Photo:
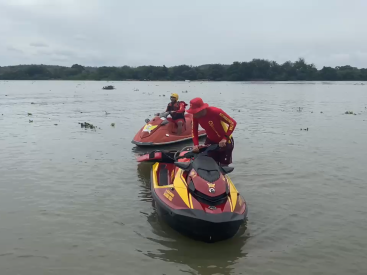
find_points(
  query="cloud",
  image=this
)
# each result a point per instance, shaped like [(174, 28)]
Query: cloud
[(14, 49), (66, 53), (38, 45), (80, 37), (122, 32)]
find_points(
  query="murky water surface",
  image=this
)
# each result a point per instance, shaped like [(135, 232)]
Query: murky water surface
[(74, 201)]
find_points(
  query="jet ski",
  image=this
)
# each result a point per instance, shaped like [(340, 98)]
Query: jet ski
[(162, 131), (194, 194)]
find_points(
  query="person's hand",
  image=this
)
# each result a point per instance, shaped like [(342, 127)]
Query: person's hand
[(195, 149), (222, 143)]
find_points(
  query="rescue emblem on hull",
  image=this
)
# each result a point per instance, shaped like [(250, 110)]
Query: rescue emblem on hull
[(211, 187)]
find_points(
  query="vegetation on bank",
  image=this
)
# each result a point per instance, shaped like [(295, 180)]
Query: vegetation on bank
[(257, 69)]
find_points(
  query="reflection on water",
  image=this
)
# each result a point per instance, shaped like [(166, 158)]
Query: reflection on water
[(205, 258), (144, 169)]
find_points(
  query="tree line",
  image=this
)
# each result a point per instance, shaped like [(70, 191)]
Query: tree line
[(257, 69)]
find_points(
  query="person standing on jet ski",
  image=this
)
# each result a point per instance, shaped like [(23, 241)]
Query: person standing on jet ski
[(177, 111), (218, 126)]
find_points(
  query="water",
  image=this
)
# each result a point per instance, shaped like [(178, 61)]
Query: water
[(74, 201)]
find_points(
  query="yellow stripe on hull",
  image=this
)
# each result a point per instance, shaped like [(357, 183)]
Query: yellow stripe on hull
[(230, 204), (190, 199), (233, 192), (155, 179), (180, 186)]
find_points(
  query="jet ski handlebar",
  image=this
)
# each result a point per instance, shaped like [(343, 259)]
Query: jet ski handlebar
[(164, 114), (203, 150)]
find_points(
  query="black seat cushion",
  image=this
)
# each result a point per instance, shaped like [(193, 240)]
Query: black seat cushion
[(206, 168)]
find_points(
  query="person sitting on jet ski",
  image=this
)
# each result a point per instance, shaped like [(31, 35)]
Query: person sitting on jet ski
[(177, 111), (218, 126)]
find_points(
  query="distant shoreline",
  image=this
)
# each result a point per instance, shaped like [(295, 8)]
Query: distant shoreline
[(357, 82), (257, 70)]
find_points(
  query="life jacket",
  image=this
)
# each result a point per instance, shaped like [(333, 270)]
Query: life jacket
[(175, 107)]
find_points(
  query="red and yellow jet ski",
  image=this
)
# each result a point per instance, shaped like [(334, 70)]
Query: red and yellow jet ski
[(162, 131), (195, 195)]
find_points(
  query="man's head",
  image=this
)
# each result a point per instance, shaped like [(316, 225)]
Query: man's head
[(174, 98), (197, 107)]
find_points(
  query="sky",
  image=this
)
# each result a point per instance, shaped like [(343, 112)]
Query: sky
[(191, 32)]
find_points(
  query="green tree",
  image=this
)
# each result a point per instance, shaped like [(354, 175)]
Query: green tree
[(256, 69)]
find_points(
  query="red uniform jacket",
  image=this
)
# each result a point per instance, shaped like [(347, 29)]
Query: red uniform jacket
[(217, 124)]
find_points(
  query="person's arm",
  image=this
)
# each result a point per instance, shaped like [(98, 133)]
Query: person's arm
[(195, 135), (230, 121), (182, 108)]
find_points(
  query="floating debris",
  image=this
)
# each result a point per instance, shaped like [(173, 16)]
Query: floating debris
[(109, 87), (113, 124), (136, 90), (321, 112), (107, 113), (55, 124), (29, 114), (349, 113), (299, 109), (185, 92), (30, 121), (304, 129), (87, 125), (32, 103)]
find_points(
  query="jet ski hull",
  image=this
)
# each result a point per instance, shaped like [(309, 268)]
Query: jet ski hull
[(173, 141), (184, 211), (160, 131), (199, 225)]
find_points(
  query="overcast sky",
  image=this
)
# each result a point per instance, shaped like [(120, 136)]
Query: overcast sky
[(173, 32)]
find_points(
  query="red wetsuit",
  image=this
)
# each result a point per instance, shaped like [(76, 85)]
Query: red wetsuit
[(218, 125)]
